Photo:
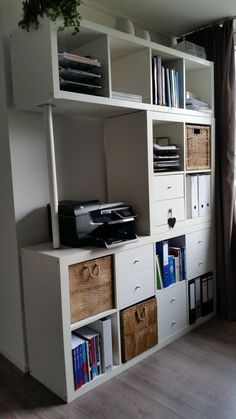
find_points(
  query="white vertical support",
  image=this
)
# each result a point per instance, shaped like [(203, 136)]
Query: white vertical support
[(52, 174)]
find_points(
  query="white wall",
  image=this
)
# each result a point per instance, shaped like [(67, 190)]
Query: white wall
[(11, 316)]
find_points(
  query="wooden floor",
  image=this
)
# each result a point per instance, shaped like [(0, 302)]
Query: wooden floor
[(192, 378)]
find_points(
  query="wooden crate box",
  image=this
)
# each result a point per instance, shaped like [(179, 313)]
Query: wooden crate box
[(198, 147), (91, 287), (138, 328)]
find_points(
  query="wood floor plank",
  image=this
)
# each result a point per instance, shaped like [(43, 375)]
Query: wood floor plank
[(192, 378)]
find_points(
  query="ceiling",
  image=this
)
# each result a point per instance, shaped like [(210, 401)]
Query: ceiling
[(172, 17)]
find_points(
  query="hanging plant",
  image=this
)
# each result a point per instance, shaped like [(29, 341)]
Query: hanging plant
[(33, 10)]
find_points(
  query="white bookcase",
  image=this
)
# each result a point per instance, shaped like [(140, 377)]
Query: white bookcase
[(129, 131)]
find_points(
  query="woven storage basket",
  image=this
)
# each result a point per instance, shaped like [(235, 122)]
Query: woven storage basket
[(138, 328), (91, 288), (198, 150)]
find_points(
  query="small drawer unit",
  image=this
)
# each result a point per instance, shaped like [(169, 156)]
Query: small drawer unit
[(199, 263), (135, 275), (198, 240), (164, 210), (171, 298), (168, 187), (172, 323), (91, 287), (199, 252)]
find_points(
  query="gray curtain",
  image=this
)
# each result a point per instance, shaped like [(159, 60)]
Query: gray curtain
[(219, 44)]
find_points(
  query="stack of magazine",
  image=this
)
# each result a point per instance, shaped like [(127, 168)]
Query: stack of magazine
[(165, 157), (79, 74), (196, 104), (126, 96)]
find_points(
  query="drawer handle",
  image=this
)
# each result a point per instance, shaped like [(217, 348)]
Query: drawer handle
[(137, 287), (172, 300), (200, 263), (199, 242), (94, 271), (136, 261), (141, 315), (173, 323), (169, 187)]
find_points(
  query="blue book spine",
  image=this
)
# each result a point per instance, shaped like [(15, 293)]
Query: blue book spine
[(81, 364), (79, 375), (94, 358), (162, 252), (171, 269), (75, 368), (85, 363), (183, 253)]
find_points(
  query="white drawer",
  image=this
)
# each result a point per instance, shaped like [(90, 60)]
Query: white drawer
[(171, 298), (168, 187), (161, 211), (199, 263), (172, 323), (135, 288), (198, 240), (134, 261)]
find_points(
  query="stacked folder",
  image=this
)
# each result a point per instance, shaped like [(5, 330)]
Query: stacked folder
[(170, 264), (79, 74), (198, 195), (200, 296), (165, 157)]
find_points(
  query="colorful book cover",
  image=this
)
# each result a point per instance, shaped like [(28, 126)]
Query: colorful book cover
[(171, 269)]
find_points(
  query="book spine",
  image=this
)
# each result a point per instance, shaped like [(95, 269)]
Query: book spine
[(81, 364), (92, 345), (75, 368), (85, 363), (159, 80)]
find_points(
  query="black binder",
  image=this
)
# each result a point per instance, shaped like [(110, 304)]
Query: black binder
[(198, 297), (210, 292), (204, 294), (192, 301)]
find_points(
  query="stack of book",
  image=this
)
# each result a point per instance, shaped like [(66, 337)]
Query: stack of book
[(126, 96), (165, 157), (79, 74), (170, 264), (165, 82), (91, 351)]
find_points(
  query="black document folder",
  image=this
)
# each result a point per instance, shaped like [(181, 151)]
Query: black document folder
[(204, 295), (192, 301)]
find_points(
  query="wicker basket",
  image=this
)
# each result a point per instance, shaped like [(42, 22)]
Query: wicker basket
[(138, 328), (91, 288), (198, 150)]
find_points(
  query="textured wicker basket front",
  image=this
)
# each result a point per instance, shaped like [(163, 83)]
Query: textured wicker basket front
[(91, 288), (138, 328), (198, 150)]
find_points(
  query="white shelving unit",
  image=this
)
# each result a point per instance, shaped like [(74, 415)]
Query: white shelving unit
[(129, 129)]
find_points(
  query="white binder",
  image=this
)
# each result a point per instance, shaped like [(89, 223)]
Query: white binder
[(103, 327), (192, 196), (204, 195)]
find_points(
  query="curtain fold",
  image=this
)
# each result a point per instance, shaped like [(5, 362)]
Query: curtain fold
[(219, 44)]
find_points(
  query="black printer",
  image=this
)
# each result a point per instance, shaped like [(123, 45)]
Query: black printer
[(94, 222)]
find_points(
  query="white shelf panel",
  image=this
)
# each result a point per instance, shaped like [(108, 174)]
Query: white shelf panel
[(92, 319)]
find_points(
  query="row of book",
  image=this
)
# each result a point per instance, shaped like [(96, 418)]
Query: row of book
[(170, 264), (165, 157), (165, 82), (200, 295), (91, 351), (79, 74)]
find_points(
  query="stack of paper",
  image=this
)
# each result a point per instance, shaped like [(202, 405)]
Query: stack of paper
[(79, 74), (126, 96), (165, 157), (196, 104)]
